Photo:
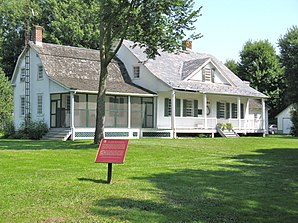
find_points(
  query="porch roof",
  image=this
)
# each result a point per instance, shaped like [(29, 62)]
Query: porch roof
[(78, 69), (173, 68)]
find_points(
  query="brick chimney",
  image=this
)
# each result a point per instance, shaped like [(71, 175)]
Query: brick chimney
[(37, 35), (186, 45)]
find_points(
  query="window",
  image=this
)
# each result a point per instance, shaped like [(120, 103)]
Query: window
[(23, 75), (190, 108), (22, 103), (136, 72), (208, 75), (221, 110), (39, 72), (39, 104), (168, 107), (234, 110)]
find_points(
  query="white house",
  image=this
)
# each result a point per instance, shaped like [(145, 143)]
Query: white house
[(284, 122), (175, 93)]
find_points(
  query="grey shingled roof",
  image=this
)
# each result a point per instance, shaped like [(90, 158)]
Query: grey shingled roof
[(173, 68), (78, 69)]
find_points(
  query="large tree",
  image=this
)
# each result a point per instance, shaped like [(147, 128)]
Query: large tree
[(232, 65), (6, 99), (260, 66), (152, 24), (67, 22), (289, 57)]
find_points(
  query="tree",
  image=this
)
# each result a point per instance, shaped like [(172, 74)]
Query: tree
[(151, 24), (232, 65), (67, 22), (260, 66), (288, 45), (6, 99)]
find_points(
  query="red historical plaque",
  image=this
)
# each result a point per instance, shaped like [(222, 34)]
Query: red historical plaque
[(111, 151)]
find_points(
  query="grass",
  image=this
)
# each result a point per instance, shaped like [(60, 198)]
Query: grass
[(184, 180)]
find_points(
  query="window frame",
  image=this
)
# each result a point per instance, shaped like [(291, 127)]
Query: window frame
[(22, 105), (136, 72), (39, 104), (40, 72)]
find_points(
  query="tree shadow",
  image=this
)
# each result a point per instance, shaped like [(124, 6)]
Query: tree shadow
[(259, 187), (15, 144)]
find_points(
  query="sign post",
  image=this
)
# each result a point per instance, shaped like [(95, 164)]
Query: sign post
[(111, 151)]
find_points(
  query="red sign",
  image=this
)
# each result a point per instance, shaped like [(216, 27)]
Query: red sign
[(111, 151)]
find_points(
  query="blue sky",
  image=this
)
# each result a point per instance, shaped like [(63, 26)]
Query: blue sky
[(227, 24)]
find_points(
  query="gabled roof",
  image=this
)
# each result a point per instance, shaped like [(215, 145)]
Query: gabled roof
[(173, 68), (78, 69)]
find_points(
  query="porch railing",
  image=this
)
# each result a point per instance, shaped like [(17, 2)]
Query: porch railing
[(244, 124)]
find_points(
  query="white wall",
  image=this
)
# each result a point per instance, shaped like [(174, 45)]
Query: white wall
[(37, 87), (284, 122)]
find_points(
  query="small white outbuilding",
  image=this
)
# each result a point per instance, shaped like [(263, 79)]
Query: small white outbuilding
[(284, 122)]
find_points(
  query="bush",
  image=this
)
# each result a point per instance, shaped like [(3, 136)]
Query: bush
[(230, 126), (32, 130), (222, 126), (8, 129), (294, 119)]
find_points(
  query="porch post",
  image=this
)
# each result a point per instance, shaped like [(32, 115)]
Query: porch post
[(72, 116), (205, 110), (263, 117), (129, 112), (246, 114), (173, 112), (239, 112)]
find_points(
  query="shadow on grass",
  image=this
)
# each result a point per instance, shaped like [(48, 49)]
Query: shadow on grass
[(260, 187), (93, 180), (15, 144)]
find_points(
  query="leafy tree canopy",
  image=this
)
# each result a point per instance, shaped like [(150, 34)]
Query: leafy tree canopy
[(288, 45), (6, 98), (260, 66), (232, 65)]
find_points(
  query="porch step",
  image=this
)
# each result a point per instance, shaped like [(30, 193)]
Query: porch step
[(228, 133), (57, 134)]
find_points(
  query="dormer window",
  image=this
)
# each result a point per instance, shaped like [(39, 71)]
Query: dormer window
[(208, 75), (136, 72)]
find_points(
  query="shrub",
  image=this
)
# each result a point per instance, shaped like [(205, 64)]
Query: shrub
[(32, 130), (294, 119), (222, 126), (230, 126), (8, 129)]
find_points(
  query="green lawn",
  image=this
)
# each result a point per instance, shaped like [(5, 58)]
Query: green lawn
[(162, 180)]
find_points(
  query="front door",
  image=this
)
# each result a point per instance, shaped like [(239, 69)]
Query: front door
[(149, 115), (60, 111), (55, 122)]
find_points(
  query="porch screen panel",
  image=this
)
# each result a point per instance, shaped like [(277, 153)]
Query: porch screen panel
[(137, 112), (91, 110), (80, 110), (116, 114)]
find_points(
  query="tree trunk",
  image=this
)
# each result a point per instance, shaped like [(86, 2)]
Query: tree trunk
[(100, 108)]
